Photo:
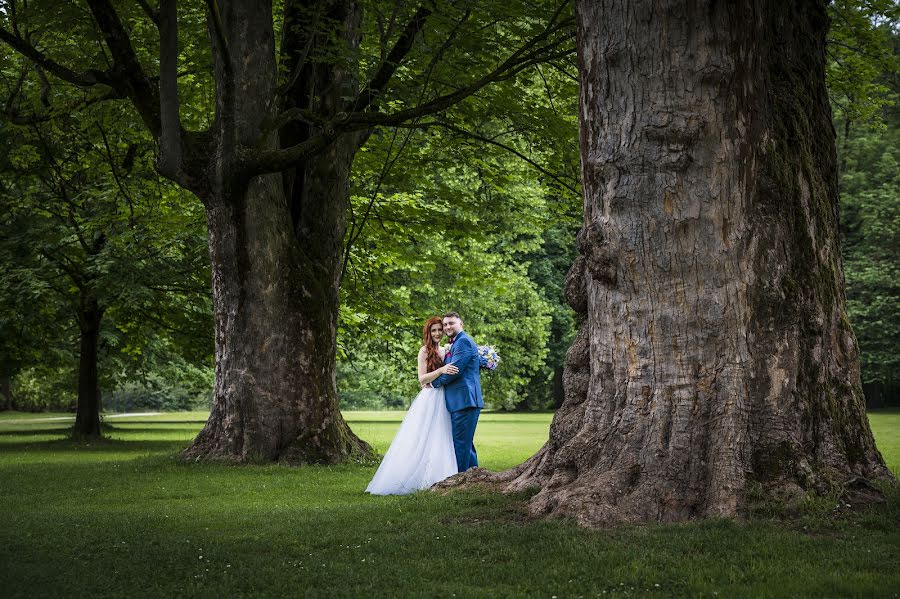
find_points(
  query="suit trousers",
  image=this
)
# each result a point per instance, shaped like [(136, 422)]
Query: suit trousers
[(463, 423)]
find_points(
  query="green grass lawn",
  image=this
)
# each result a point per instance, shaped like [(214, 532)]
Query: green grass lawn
[(122, 517)]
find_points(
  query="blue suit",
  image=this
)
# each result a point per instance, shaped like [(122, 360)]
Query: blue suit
[(462, 394)]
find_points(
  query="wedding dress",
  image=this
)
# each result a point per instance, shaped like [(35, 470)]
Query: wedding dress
[(422, 452)]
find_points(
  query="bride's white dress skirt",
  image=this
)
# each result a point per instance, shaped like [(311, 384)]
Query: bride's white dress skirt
[(422, 452)]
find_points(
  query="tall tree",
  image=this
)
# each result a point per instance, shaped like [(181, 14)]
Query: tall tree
[(90, 233), (272, 171), (715, 361)]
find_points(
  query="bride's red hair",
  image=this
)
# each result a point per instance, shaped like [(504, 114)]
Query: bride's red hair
[(433, 359)]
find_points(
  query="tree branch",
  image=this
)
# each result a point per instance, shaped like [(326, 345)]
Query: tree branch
[(259, 162), (115, 174), (45, 85), (256, 162), (15, 91), (563, 71), (219, 28), (19, 118), (356, 230), (127, 69), (87, 78), (289, 116), (518, 61), (494, 142), (301, 61), (170, 151), (64, 264), (387, 69), (153, 14)]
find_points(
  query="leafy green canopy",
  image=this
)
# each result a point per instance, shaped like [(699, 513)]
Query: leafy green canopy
[(474, 210), (864, 62), (485, 191), (85, 219), (862, 59), (870, 203)]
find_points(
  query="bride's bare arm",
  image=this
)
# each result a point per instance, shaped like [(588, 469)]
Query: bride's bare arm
[(426, 377)]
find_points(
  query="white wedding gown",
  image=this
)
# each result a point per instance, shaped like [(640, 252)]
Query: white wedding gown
[(422, 452)]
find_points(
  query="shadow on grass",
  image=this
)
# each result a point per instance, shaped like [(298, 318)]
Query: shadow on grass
[(98, 446), (484, 419), (36, 432), (150, 429), (121, 421)]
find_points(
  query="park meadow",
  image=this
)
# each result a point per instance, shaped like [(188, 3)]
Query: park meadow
[(240, 240), (124, 517)]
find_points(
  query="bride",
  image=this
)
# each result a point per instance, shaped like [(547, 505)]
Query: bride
[(422, 453)]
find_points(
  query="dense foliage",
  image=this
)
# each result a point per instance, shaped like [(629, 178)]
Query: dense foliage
[(870, 203), (443, 220), (473, 210), (87, 225), (864, 62)]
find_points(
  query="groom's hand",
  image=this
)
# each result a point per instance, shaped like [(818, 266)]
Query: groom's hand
[(450, 369)]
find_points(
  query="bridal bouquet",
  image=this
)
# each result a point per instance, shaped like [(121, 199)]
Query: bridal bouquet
[(488, 357)]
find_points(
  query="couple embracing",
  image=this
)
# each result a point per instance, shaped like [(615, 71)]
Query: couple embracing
[(435, 439)]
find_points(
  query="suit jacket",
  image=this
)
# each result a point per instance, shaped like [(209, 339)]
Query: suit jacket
[(463, 389)]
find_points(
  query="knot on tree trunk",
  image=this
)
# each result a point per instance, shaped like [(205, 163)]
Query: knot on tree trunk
[(577, 373), (576, 287), (675, 134), (599, 255)]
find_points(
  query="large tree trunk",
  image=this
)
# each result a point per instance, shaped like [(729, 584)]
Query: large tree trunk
[(87, 414), (275, 299), (716, 362)]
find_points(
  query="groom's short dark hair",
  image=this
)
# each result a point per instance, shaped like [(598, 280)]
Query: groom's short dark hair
[(452, 315)]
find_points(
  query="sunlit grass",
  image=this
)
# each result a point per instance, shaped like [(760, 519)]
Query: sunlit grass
[(886, 428), (122, 517)]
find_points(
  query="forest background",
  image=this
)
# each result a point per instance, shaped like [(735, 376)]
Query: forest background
[(474, 210)]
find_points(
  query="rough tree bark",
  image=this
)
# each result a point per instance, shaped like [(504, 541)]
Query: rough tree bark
[(274, 288), (715, 363)]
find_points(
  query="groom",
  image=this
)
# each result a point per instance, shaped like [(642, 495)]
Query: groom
[(462, 391)]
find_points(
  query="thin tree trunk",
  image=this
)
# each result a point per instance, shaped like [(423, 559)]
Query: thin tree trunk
[(6, 393), (87, 415), (716, 363), (275, 298)]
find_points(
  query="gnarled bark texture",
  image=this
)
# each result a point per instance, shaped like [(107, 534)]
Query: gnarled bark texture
[(715, 360), (275, 275)]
